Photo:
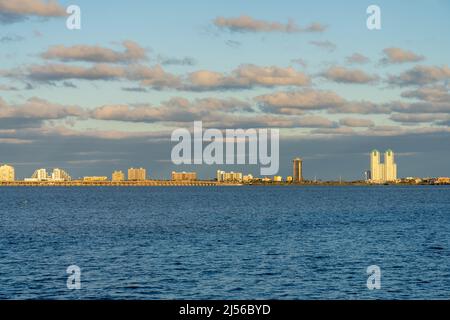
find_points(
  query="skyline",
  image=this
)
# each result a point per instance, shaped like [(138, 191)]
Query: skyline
[(379, 173), (97, 99)]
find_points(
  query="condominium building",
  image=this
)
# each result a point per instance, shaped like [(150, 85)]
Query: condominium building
[(298, 170), (7, 173), (39, 175), (137, 174), (382, 172), (57, 175), (184, 176), (118, 176), (60, 175)]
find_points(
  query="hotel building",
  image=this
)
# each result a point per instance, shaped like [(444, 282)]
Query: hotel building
[(298, 170), (382, 172), (184, 176), (7, 173), (58, 175), (137, 174), (118, 176)]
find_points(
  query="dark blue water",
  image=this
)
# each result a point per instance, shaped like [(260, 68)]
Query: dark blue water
[(225, 243)]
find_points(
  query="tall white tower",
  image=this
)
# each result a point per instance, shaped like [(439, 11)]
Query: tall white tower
[(383, 172), (390, 167), (375, 166)]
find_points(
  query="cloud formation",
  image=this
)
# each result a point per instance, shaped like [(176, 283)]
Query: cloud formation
[(246, 77), (175, 110), (355, 122), (12, 11), (345, 75), (421, 75), (357, 58), (430, 94), (186, 61), (420, 107), (39, 109), (326, 45), (133, 53), (407, 118), (298, 102), (398, 55), (245, 23)]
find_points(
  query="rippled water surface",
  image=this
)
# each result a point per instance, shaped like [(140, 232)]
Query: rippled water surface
[(225, 243)]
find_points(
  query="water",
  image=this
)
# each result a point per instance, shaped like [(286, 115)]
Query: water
[(225, 243)]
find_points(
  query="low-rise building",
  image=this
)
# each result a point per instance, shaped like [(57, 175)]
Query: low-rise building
[(118, 176), (442, 180), (277, 179), (184, 176), (223, 176), (95, 179)]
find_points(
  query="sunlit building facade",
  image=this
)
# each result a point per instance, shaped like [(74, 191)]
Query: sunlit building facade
[(297, 170), (118, 176), (184, 176), (137, 174), (60, 175), (7, 173), (95, 179), (223, 176), (382, 172)]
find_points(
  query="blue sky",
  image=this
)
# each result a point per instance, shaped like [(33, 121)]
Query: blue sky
[(394, 103)]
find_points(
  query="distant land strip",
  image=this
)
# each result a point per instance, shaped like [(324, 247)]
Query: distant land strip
[(197, 183)]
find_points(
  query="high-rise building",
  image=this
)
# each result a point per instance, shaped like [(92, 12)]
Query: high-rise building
[(118, 176), (137, 174), (184, 176), (375, 166), (382, 172), (390, 167), (7, 173), (39, 175), (60, 175), (298, 170)]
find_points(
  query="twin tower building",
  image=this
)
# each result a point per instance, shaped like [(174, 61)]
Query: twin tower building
[(382, 172)]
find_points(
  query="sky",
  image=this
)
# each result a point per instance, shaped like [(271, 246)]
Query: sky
[(108, 96)]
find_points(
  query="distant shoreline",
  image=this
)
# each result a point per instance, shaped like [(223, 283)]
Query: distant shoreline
[(199, 183)]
